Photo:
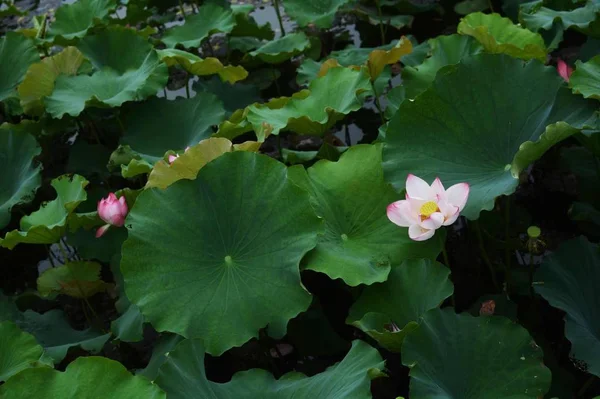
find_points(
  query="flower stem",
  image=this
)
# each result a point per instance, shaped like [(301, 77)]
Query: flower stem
[(447, 262), (187, 85), (484, 254), (63, 252), (181, 8), (276, 6)]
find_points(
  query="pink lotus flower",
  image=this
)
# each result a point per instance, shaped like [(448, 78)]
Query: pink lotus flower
[(427, 208), (113, 211), (172, 158), (564, 70)]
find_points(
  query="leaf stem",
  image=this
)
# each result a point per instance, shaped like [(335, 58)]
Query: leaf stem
[(377, 103), (484, 254), (380, 14), (276, 6), (63, 252), (187, 85), (507, 252), (181, 9)]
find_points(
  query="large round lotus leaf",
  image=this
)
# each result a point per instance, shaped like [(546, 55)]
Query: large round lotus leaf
[(16, 54), (158, 125), (445, 50), (413, 288), (317, 12), (536, 17), (85, 378), (482, 121), (284, 48), (53, 331), (568, 279), (585, 79), (217, 257), (246, 25), (210, 19), (19, 178), (183, 376), (202, 66), (40, 78), (74, 20), (48, 224), (360, 244), (329, 98), (128, 69), (18, 350), (466, 357), (499, 35)]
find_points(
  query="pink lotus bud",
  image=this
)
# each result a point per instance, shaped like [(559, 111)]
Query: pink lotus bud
[(564, 70), (113, 211), (428, 207), (172, 158)]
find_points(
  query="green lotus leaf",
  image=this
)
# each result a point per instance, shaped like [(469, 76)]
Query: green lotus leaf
[(129, 161), (394, 98), (202, 66), (372, 16), (585, 80), (188, 164), (17, 53), (8, 10), (49, 223), (234, 270), (19, 178), (183, 376), (129, 327), (535, 17), (158, 125), (378, 59), (360, 244), (80, 279), (568, 279), (246, 26), (445, 50), (73, 21), (53, 331), (501, 133), (499, 35), (468, 6), (41, 76), (389, 311), (233, 96), (315, 111), (18, 351), (134, 72), (210, 19), (88, 159), (164, 345), (317, 12), (85, 378), (282, 49), (461, 356)]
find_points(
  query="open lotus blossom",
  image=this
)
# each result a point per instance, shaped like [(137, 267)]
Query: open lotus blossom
[(564, 70), (172, 158), (427, 208), (113, 211)]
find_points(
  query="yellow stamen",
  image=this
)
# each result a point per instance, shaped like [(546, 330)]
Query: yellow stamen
[(428, 208)]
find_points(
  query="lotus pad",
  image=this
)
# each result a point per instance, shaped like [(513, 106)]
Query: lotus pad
[(202, 66), (466, 357), (585, 79), (499, 35), (318, 12), (74, 20), (183, 376), (18, 350), (85, 378), (284, 48), (231, 251), (134, 72), (210, 19), (390, 310), (460, 132), (360, 244), (568, 279), (16, 54), (48, 224), (19, 178)]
